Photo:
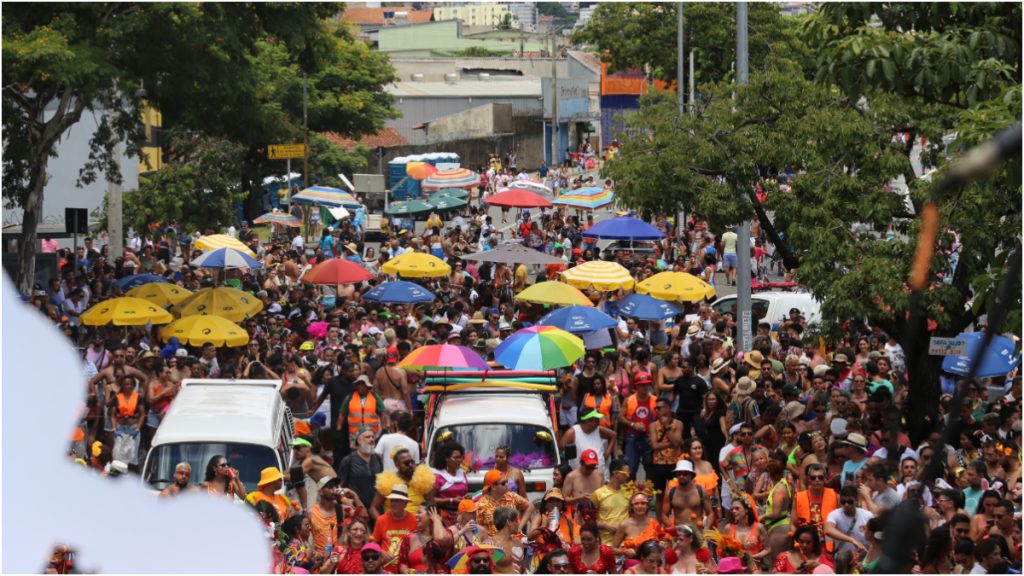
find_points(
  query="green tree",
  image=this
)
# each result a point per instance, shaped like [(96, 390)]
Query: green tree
[(199, 64), (643, 34), (204, 173), (327, 160)]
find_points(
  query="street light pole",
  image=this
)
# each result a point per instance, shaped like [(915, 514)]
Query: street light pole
[(681, 96), (745, 321), (115, 208), (554, 101)]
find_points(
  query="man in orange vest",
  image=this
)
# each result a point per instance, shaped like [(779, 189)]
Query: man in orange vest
[(812, 506), (363, 407), (636, 417)]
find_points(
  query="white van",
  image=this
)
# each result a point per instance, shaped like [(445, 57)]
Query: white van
[(246, 421), (482, 419), (774, 306)]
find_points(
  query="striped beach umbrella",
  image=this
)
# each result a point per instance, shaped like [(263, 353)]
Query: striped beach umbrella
[(214, 241), (586, 198), (225, 258), (327, 196), (282, 218), (443, 357), (600, 275), (539, 348), (457, 178)]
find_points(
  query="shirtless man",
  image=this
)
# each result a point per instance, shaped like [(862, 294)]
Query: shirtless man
[(687, 500), (182, 475), (583, 481), (106, 380), (391, 383), (313, 467)]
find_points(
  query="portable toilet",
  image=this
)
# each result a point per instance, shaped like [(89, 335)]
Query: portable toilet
[(402, 187)]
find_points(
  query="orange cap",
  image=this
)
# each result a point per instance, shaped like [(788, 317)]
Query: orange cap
[(491, 477), (467, 505), (302, 428)]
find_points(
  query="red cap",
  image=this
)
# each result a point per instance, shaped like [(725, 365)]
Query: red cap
[(643, 378), (392, 355), (589, 457)]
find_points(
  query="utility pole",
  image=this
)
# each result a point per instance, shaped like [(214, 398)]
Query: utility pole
[(305, 133), (693, 88), (681, 95), (745, 321), (115, 210), (554, 100)]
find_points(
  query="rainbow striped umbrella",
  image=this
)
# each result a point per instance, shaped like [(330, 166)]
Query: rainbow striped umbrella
[(457, 178), (600, 275), (443, 357), (586, 198), (327, 196), (276, 217), (539, 348)]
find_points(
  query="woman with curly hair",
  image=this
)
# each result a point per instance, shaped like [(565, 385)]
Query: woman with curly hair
[(590, 555)]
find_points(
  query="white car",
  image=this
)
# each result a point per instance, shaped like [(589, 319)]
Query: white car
[(774, 306), (246, 421), (482, 420)]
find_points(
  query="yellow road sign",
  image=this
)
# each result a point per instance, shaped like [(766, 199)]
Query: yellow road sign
[(283, 151)]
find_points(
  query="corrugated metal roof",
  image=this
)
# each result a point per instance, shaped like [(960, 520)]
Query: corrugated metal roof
[(462, 89)]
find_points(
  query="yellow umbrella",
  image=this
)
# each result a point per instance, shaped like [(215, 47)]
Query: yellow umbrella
[(417, 265), (677, 287), (554, 293), (229, 303), (199, 330), (162, 294), (600, 275), (125, 311), (214, 241)]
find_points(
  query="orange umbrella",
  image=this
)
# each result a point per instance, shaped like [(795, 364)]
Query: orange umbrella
[(336, 271), (420, 170)]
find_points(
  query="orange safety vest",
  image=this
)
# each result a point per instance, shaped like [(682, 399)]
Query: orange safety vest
[(829, 502), (362, 411), (126, 408), (590, 401)]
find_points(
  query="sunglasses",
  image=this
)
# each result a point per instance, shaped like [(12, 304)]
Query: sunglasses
[(846, 501), (480, 561), (559, 564), (371, 557), (816, 478)]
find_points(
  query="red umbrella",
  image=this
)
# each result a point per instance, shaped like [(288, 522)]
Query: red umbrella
[(336, 271), (518, 198)]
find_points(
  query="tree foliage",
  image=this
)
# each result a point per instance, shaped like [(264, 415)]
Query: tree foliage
[(198, 191), (327, 160), (643, 34), (230, 71)]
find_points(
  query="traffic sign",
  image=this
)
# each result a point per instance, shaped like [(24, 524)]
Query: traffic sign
[(947, 346), (284, 151)]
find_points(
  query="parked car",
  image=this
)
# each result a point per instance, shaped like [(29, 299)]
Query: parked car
[(245, 421), (774, 306)]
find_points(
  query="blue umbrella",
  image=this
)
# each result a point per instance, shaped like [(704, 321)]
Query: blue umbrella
[(578, 319), (399, 292), (128, 282), (624, 228), (998, 359), (226, 258), (646, 307)]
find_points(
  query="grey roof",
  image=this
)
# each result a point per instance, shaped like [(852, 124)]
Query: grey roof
[(519, 88)]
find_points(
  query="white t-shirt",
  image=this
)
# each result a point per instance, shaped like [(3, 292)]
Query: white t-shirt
[(298, 243), (389, 442), (851, 526)]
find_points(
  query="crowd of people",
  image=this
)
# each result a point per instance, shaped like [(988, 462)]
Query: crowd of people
[(681, 454)]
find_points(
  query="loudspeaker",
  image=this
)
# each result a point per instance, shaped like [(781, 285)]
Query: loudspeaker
[(76, 220)]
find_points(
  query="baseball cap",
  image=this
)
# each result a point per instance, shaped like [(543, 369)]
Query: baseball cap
[(365, 380), (301, 442), (643, 378), (592, 415), (589, 457), (491, 477)]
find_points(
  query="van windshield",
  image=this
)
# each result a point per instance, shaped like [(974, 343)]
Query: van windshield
[(248, 459), (532, 446)]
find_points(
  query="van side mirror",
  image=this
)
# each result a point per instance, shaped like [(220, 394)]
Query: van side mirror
[(542, 436)]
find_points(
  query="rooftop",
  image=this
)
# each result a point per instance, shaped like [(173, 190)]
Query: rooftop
[(365, 16), (588, 59), (384, 138), (519, 88)]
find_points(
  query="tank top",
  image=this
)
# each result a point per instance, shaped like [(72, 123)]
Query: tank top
[(586, 442)]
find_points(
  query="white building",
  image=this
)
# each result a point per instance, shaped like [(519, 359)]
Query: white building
[(526, 13)]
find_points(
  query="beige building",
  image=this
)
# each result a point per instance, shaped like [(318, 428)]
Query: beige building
[(473, 14)]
